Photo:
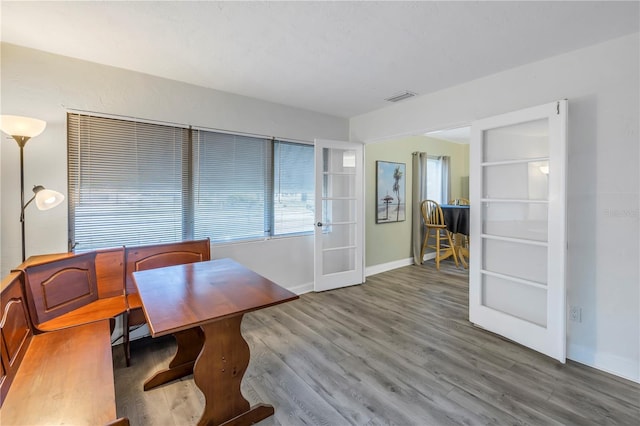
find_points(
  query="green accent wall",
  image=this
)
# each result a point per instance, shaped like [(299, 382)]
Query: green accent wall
[(391, 242)]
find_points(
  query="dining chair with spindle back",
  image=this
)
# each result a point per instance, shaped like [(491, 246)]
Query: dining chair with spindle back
[(436, 230)]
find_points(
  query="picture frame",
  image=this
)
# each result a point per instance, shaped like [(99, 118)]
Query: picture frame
[(390, 192)]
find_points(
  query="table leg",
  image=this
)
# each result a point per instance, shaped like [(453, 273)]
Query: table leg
[(218, 374), (190, 344), (463, 253), (462, 242)]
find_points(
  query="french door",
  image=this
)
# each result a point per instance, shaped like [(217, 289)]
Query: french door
[(339, 231), (518, 238)]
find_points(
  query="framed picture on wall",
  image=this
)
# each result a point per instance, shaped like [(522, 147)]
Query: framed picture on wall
[(390, 192)]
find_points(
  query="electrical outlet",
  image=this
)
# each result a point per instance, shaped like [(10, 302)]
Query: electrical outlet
[(575, 314)]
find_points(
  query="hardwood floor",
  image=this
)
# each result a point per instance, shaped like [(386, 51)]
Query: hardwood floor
[(397, 350)]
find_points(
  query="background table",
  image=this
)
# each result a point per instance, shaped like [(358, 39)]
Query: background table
[(457, 220), (202, 305)]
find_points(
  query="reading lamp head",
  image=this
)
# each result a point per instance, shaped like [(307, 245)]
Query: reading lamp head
[(46, 198)]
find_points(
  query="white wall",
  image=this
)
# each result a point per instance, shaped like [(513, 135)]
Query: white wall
[(602, 85), (44, 86)]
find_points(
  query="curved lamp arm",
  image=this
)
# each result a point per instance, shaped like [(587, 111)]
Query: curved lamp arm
[(45, 199)]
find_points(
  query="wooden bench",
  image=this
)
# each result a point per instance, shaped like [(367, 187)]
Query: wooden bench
[(141, 258), (64, 290), (59, 377)]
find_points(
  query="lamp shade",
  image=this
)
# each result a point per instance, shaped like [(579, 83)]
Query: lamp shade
[(46, 198), (15, 125)]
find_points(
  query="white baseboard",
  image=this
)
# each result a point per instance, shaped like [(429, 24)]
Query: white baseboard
[(618, 366), (429, 256), (384, 267), (302, 288)]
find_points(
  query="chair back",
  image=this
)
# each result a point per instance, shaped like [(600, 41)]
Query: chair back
[(431, 213), (460, 202)]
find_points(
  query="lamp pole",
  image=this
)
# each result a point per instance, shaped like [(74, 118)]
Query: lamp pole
[(22, 141)]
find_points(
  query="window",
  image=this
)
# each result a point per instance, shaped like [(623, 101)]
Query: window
[(231, 186), (125, 182), (136, 183), (434, 180), (294, 188), (438, 179)]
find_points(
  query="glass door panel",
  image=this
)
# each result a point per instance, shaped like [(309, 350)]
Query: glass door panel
[(527, 221), (338, 211), (520, 181), (339, 235), (522, 141), (524, 261), (342, 185), (516, 299), (340, 260)]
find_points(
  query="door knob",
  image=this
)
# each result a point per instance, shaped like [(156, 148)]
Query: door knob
[(319, 224)]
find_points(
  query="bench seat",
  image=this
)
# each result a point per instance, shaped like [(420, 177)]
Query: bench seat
[(98, 310), (59, 377), (65, 377)]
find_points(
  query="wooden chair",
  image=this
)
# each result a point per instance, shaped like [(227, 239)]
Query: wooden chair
[(460, 202), (436, 230), (141, 258)]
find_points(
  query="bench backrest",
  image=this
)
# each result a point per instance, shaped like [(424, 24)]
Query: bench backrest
[(110, 272), (15, 327), (59, 286), (140, 258)]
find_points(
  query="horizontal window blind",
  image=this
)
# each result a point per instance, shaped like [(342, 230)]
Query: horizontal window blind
[(232, 186), (134, 183), (293, 200), (125, 182)]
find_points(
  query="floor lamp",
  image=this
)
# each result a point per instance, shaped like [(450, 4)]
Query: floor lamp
[(22, 129)]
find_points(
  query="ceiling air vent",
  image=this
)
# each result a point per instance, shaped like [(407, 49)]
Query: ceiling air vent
[(401, 96)]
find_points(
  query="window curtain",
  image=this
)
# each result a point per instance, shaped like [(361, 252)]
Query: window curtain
[(418, 193), (445, 169)]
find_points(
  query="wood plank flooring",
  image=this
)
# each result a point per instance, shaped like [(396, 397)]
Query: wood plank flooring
[(398, 350)]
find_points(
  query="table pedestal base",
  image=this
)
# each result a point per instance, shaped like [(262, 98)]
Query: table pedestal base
[(190, 344), (218, 374), (218, 356), (254, 415)]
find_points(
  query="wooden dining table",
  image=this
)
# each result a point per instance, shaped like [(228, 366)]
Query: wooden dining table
[(202, 305)]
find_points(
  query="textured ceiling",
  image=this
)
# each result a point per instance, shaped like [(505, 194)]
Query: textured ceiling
[(339, 58)]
